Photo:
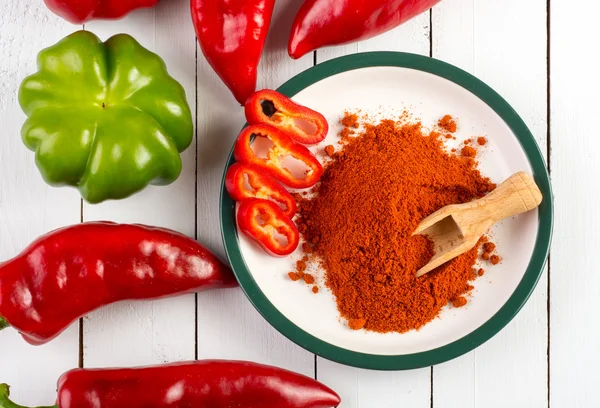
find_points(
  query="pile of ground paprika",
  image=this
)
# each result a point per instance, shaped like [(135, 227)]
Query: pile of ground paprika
[(359, 223)]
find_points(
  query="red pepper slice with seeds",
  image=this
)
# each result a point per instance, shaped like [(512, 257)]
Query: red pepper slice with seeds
[(247, 181), (302, 124), (282, 146), (266, 224)]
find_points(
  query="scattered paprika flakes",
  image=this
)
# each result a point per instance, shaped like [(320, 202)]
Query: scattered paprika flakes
[(468, 141), (356, 324), (485, 256), (315, 289), (293, 276), (468, 151), (382, 184), (329, 150), (448, 136), (494, 259), (300, 274), (301, 265), (309, 279), (481, 141), (306, 248), (459, 301), (480, 272), (350, 120), (447, 123), (489, 247), (346, 135)]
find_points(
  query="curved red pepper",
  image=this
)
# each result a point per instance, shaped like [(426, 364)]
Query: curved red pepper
[(321, 23), (74, 270), (232, 36), (283, 146), (263, 221), (80, 11), (209, 383), (261, 186), (268, 106)]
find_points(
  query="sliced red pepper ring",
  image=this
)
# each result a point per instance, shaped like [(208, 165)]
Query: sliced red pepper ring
[(282, 147), (302, 124), (248, 181), (266, 224)]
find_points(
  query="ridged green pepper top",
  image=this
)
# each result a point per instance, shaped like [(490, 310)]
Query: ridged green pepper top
[(106, 118)]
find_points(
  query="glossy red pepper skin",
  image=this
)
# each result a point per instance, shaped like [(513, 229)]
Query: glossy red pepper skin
[(272, 220), (74, 270), (283, 145), (263, 186), (80, 11), (321, 23), (277, 110), (232, 36), (201, 384)]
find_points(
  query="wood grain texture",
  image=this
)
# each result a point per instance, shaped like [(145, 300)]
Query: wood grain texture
[(575, 281), (28, 207), (139, 333), (504, 44), (362, 388), (228, 325)]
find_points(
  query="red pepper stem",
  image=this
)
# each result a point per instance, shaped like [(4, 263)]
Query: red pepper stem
[(3, 324), (5, 401)]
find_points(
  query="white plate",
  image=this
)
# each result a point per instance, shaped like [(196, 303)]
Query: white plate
[(386, 91)]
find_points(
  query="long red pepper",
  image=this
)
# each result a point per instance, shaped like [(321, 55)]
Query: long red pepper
[(321, 23), (74, 270), (80, 11), (232, 36), (202, 384)]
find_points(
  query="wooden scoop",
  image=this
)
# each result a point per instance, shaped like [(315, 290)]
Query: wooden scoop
[(455, 229)]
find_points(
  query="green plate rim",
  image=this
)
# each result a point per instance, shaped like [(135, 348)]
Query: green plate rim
[(479, 335)]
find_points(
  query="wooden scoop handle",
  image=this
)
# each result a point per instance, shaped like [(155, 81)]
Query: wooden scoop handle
[(516, 195)]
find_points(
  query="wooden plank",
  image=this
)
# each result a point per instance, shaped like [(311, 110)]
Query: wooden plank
[(574, 282), (504, 44), (157, 331), (228, 326), (28, 208), (362, 388)]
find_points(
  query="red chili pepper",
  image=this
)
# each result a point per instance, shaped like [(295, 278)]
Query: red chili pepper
[(282, 146), (241, 176), (74, 270), (302, 124), (321, 23), (80, 11), (265, 223), (232, 36), (209, 383)]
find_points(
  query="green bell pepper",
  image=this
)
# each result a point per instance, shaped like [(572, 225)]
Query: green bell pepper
[(105, 117)]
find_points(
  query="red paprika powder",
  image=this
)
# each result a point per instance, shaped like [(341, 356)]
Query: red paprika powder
[(373, 194)]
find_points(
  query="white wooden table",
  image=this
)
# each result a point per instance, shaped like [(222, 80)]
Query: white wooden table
[(542, 61)]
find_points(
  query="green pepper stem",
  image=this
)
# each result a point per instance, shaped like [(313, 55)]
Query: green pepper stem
[(5, 401), (3, 323)]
